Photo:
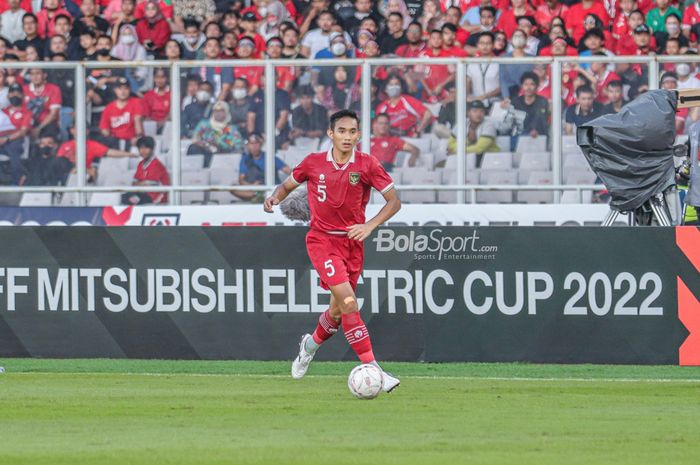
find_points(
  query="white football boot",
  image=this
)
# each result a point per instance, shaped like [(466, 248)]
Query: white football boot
[(389, 382), (301, 363)]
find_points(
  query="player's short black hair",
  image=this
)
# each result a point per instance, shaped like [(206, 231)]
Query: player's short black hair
[(146, 141), (343, 114)]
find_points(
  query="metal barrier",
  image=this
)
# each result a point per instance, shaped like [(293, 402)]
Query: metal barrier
[(365, 65)]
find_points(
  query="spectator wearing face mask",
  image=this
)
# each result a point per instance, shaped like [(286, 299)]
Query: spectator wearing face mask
[(275, 15), (129, 49), (686, 77), (199, 109), (656, 18), (407, 115), (41, 167), (15, 127), (192, 40), (673, 31), (216, 135), (510, 75), (240, 105)]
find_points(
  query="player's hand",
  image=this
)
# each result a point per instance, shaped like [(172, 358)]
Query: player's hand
[(360, 232), (269, 203)]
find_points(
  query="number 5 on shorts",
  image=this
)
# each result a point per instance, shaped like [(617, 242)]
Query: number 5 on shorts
[(330, 269)]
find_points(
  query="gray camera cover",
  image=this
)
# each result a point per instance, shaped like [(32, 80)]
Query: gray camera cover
[(632, 151)]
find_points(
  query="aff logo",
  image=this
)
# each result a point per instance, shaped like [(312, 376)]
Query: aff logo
[(160, 219)]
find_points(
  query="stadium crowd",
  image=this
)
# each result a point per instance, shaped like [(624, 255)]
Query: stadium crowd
[(222, 110)]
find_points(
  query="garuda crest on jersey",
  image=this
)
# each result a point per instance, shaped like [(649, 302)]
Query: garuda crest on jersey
[(354, 178)]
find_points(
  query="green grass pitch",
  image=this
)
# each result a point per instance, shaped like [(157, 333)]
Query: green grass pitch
[(195, 412)]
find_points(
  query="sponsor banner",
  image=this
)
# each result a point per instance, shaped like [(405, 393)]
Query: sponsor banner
[(569, 295), (253, 215)]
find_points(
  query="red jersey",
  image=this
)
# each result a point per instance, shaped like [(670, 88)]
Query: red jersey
[(20, 117), (152, 172), (577, 13), (456, 51), (437, 74), (93, 150), (45, 24), (338, 195), (626, 46), (156, 106), (409, 51), (405, 114), (385, 148), (44, 101), (120, 121), (252, 74), (691, 16), (26, 5), (602, 84), (544, 15), (462, 36), (507, 20), (620, 28)]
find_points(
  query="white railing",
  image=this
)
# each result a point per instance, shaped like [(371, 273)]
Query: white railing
[(460, 187)]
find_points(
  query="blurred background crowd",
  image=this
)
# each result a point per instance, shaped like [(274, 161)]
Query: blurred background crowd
[(222, 108)]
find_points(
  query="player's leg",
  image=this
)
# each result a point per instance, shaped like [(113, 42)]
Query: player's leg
[(353, 326), (327, 326)]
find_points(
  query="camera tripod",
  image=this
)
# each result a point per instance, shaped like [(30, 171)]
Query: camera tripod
[(662, 209)]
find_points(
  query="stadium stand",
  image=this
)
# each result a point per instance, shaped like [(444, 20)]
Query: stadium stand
[(508, 127)]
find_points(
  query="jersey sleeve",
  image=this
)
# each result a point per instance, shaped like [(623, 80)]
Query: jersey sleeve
[(104, 118), (54, 96), (379, 178), (300, 173)]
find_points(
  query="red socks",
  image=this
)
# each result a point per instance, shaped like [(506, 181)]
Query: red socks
[(357, 336), (326, 327)]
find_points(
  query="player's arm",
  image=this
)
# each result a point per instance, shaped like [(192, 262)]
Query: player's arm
[(413, 150), (280, 193), (361, 232)]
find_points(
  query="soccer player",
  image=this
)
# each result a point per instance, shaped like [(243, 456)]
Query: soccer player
[(339, 183)]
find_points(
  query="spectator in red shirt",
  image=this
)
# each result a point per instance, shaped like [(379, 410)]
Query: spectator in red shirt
[(507, 22), (149, 172), (384, 146), (43, 99), (415, 45), (452, 16), (577, 14), (252, 74), (626, 45), (156, 102), (12, 139), (407, 115), (47, 16), (619, 25), (435, 77), (547, 11), (600, 77), (153, 30), (449, 43), (94, 151), (691, 21), (249, 26), (122, 120)]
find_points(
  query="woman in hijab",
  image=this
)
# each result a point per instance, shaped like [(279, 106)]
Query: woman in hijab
[(276, 14), (153, 29), (216, 134), (129, 49)]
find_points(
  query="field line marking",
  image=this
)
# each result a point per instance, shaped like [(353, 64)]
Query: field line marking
[(424, 377)]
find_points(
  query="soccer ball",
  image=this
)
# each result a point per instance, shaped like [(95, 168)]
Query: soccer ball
[(365, 381)]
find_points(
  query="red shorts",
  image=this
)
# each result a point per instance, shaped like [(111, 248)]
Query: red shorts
[(337, 259)]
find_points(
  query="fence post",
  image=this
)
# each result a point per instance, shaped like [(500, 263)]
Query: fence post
[(81, 132)]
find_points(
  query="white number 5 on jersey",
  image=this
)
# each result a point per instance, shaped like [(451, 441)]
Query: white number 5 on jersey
[(321, 192), (328, 265)]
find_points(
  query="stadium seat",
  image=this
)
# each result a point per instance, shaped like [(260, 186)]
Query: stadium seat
[(230, 162), (423, 143), (150, 128), (294, 156), (497, 161), (544, 178), (310, 144), (469, 162), (101, 199), (166, 137), (535, 161), (579, 176), (503, 143), (575, 160), (194, 178), (114, 172), (532, 144), (418, 175), (569, 145), (487, 178), (36, 199), (450, 177), (192, 162)]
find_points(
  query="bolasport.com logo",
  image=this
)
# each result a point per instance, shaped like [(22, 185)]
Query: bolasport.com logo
[(436, 245)]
